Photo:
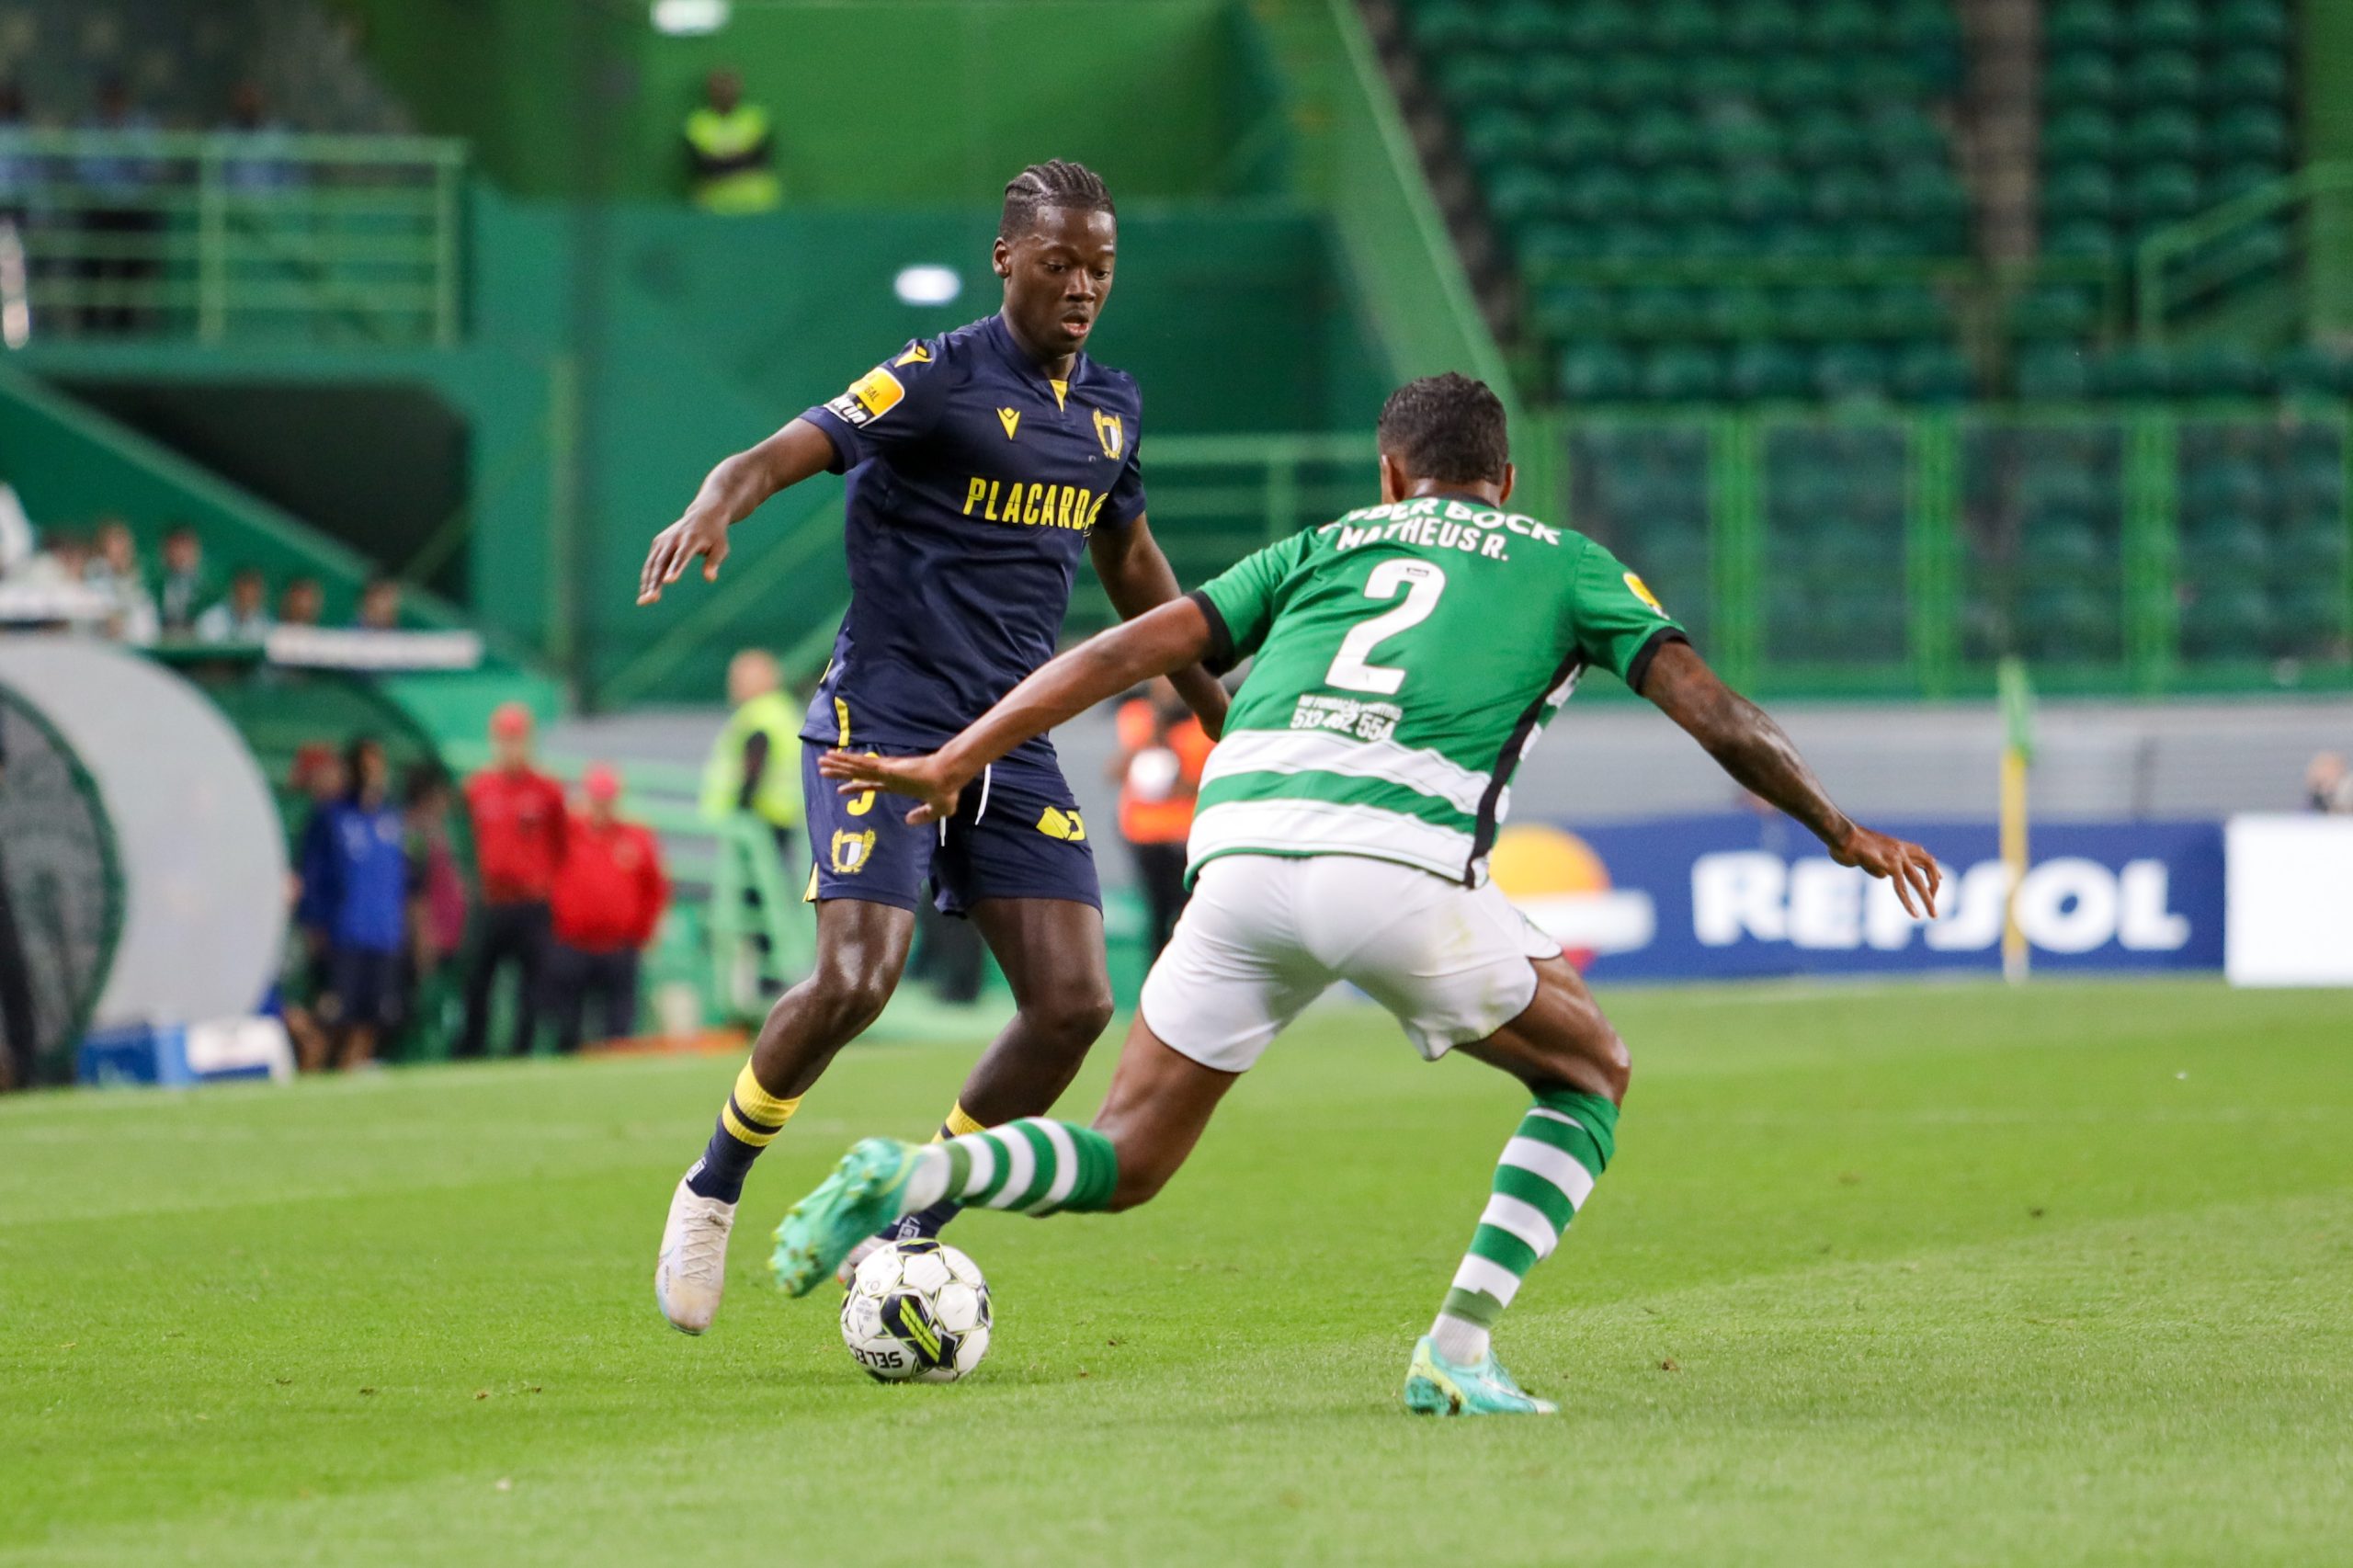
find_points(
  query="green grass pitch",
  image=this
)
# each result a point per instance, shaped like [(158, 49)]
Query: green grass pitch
[(1929, 1274)]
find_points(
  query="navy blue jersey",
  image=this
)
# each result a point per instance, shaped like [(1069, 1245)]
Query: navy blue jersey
[(973, 483), (356, 857)]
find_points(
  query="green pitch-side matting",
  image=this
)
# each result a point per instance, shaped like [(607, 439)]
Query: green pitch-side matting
[(1926, 1275)]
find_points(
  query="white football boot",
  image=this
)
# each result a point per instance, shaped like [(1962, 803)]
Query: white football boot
[(692, 1270)]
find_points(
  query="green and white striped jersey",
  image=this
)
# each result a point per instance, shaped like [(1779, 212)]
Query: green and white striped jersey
[(1407, 657)]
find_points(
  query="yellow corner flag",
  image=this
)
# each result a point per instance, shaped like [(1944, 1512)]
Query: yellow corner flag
[(2018, 753)]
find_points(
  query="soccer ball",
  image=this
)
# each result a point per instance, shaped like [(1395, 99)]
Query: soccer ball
[(916, 1311)]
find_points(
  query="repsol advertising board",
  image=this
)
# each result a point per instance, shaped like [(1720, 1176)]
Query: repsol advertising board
[(1735, 894)]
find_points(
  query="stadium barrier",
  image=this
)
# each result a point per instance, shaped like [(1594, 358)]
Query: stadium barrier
[(1740, 895), (2291, 910)]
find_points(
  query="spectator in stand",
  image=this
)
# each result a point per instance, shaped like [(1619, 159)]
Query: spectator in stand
[(379, 605), (116, 572), (437, 892), (63, 560), (2328, 785), (731, 151), (609, 897), (359, 860), (261, 166), (181, 589), (305, 988), (1162, 752), (303, 603), (519, 820), (123, 226), (244, 615)]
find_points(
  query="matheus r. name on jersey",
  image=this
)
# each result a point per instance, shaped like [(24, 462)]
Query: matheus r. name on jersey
[(1326, 751)]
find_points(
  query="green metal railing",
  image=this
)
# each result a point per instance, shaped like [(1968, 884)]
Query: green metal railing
[(2253, 252), (2145, 550), (230, 237)]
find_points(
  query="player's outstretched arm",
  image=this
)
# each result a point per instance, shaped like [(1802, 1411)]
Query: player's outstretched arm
[(1138, 580), (1161, 642), (1749, 745), (731, 493)]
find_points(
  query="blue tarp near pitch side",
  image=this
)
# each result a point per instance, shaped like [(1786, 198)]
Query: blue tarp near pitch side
[(1738, 894)]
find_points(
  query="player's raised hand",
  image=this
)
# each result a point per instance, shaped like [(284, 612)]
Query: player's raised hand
[(1912, 869), (926, 779), (700, 532)]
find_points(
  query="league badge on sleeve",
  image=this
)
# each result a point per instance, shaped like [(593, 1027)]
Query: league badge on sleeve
[(869, 397), (1641, 591)]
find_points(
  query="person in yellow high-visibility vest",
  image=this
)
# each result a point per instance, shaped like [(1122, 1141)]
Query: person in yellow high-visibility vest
[(731, 151), (755, 764)]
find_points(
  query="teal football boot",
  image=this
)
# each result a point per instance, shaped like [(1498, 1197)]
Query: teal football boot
[(1434, 1386), (848, 1206)]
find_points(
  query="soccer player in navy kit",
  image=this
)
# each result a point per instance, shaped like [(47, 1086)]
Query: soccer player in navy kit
[(981, 464)]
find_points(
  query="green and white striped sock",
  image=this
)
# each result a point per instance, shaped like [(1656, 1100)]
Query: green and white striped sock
[(1037, 1165), (1563, 1145)]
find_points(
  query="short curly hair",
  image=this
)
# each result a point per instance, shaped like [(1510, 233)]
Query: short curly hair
[(1449, 428)]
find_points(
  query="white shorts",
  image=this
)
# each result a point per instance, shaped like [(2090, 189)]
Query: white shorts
[(1266, 933)]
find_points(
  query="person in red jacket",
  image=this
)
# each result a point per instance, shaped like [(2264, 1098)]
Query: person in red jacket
[(609, 894), (518, 820)]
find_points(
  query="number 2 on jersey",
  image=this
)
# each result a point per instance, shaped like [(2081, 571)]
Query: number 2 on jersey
[(1351, 668)]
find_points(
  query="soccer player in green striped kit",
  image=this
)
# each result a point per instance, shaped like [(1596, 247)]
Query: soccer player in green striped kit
[(1406, 656)]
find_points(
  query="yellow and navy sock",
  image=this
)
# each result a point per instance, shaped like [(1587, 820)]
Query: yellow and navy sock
[(1547, 1170), (930, 1221), (1036, 1165), (748, 1123)]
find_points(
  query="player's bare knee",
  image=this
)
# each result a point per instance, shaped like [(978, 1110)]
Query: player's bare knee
[(1068, 1020), (838, 1001)]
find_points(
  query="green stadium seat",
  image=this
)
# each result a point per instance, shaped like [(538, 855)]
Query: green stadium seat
[(2063, 545), (1635, 82), (1842, 26), (1682, 373), (2055, 310), (1570, 310), (2081, 191), (2253, 22), (1492, 136), (1658, 311), (1762, 27), (1844, 194), (1905, 310), (1529, 27), (1824, 136), (1712, 239), (2251, 76), (2307, 617), (1600, 193), (1627, 241), (1738, 312), (2053, 372), (2168, 24), (1597, 373), (1766, 194), (1544, 240), (1598, 24), (1516, 196), (2081, 133), (2245, 132), (1438, 26), (2061, 620), (1768, 369), (1713, 79), (1683, 26), (2059, 485), (2223, 369), (2082, 76), (1934, 373), (1797, 82), (1800, 241), (1662, 134), (1575, 138), (2315, 488), (1555, 84), (2082, 239), (2225, 488), (2162, 75), (2226, 622), (2230, 183), (2163, 133), (2079, 24), (1682, 195), (2163, 193), (2313, 551), (1904, 133), (2134, 371), (1851, 370), (1820, 310), (1930, 195), (1742, 137), (1468, 80)]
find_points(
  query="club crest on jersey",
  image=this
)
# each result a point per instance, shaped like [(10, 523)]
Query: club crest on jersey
[(850, 850), (1111, 433), (1056, 823), (1641, 591), (1010, 418)]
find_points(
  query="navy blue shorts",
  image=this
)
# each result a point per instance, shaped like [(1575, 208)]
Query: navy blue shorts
[(366, 986), (1015, 833)]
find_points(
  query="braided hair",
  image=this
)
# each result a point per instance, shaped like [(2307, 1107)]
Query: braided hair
[(1055, 183)]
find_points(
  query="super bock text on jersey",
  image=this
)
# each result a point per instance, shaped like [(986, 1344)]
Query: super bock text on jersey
[(973, 480), (1406, 658)]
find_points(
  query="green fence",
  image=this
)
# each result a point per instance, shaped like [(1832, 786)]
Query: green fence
[(261, 236), (2156, 549)]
